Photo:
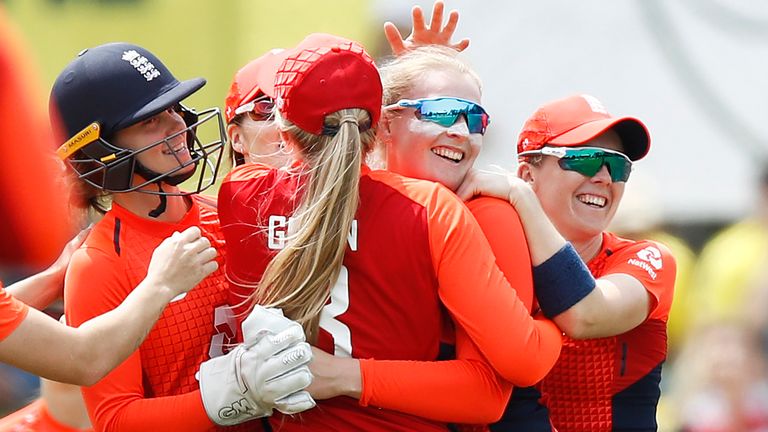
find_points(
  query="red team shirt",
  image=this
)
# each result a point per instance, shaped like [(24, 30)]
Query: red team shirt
[(155, 388), (503, 229), (414, 253), (612, 383)]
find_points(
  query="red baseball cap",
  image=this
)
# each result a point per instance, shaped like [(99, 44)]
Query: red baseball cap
[(577, 119), (322, 75), (252, 80)]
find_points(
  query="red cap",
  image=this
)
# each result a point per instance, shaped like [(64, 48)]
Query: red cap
[(325, 74), (252, 80), (577, 119)]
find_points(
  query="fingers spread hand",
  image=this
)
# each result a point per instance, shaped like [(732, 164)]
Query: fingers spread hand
[(417, 17), (437, 15), (394, 38)]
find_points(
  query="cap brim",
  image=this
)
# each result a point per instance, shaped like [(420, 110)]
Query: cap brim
[(171, 97), (633, 133)]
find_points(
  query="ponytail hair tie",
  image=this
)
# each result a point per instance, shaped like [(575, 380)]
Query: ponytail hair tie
[(347, 118)]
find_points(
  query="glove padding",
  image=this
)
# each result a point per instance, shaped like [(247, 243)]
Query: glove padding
[(268, 372), (266, 321)]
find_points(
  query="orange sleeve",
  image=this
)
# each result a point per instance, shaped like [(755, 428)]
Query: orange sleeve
[(34, 226), (480, 299), (12, 313), (503, 229), (94, 285), (429, 389)]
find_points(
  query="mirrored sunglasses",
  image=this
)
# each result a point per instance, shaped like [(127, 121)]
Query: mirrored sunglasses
[(589, 160), (258, 109), (446, 111)]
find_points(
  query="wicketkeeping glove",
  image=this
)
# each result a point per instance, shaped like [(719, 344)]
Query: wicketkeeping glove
[(267, 372)]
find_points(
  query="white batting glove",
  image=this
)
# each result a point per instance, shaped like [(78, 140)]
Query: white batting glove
[(268, 372), (263, 321)]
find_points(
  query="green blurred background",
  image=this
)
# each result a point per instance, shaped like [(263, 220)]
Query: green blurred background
[(210, 39)]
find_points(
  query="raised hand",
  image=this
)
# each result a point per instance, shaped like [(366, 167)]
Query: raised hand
[(422, 35), (181, 261)]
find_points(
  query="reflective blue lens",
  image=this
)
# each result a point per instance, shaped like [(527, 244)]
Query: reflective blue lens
[(446, 111)]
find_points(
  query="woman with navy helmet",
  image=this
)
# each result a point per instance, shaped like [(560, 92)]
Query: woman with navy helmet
[(131, 143)]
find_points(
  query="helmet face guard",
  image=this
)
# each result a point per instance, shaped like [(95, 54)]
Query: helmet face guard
[(114, 169)]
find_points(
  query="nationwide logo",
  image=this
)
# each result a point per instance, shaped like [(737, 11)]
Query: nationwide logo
[(141, 64)]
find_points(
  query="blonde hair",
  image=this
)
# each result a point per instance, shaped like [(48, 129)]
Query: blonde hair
[(399, 74), (300, 276)]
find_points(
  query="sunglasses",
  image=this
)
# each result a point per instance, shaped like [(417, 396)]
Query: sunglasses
[(259, 109), (446, 111), (589, 160)]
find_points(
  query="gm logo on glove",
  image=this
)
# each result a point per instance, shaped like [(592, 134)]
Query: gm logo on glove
[(236, 409)]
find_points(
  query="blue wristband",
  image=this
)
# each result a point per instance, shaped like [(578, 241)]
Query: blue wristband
[(561, 281)]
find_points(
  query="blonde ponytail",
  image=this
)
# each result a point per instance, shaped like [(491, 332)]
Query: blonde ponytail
[(300, 276)]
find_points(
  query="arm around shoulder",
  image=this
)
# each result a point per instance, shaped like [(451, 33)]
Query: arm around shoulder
[(638, 285)]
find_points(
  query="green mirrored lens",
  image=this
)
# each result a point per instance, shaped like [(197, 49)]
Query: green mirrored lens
[(586, 165), (588, 162), (618, 166)]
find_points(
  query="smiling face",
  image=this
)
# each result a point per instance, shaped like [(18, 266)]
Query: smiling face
[(580, 207), (426, 150), (167, 155)]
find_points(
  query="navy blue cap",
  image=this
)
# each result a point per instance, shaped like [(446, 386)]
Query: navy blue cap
[(116, 85)]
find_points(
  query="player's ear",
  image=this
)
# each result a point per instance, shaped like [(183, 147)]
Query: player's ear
[(526, 172), (383, 133), (235, 137)]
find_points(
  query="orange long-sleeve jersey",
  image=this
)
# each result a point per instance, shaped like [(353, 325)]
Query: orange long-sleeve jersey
[(414, 251), (35, 417), (155, 388), (503, 229), (12, 313)]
